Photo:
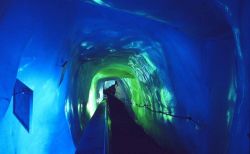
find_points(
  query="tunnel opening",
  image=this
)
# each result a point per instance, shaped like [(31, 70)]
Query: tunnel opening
[(153, 85), (182, 67)]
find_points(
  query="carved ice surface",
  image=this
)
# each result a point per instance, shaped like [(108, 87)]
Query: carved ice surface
[(23, 100), (182, 69)]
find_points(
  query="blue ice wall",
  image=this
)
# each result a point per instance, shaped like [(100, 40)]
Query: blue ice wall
[(206, 59), (35, 40), (12, 43), (237, 14)]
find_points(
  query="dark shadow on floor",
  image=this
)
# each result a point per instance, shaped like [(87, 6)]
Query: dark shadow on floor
[(127, 137)]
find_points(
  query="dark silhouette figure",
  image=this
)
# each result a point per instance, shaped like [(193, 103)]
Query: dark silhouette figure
[(111, 90), (126, 136)]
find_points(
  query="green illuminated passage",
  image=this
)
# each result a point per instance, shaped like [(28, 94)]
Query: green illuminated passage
[(111, 71), (139, 75)]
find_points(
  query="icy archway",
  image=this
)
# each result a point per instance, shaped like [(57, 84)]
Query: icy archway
[(186, 58)]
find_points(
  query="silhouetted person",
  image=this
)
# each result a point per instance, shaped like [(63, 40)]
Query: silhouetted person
[(111, 90), (127, 137)]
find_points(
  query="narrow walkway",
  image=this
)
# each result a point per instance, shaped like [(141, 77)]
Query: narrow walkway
[(94, 139), (126, 136)]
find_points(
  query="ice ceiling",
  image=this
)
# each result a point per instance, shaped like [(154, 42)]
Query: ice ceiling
[(183, 67)]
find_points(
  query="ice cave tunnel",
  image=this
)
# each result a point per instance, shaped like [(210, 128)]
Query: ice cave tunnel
[(125, 76)]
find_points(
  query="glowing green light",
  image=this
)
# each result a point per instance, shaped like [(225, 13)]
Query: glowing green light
[(145, 71), (110, 71), (138, 73), (91, 105)]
